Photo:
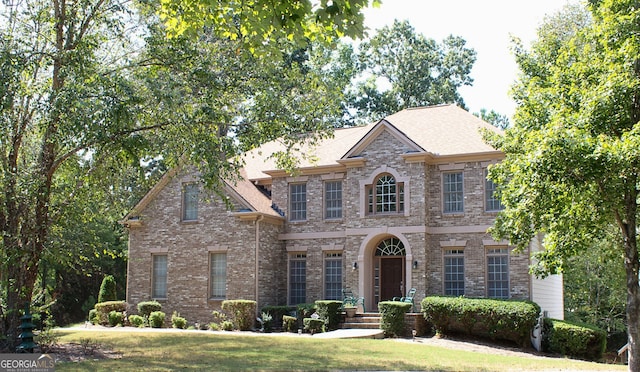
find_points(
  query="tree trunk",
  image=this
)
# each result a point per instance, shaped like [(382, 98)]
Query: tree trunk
[(632, 268)]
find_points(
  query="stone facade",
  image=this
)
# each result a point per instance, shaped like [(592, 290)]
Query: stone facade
[(260, 245)]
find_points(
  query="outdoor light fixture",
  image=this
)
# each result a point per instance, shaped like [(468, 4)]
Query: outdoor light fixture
[(355, 265), (415, 265)]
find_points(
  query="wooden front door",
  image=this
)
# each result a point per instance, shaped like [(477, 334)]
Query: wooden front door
[(391, 277)]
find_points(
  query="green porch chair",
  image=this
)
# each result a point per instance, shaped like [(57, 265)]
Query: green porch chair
[(349, 298), (408, 298)]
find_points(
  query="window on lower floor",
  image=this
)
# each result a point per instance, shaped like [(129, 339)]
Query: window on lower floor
[(159, 276), (333, 276), (218, 279), (454, 272), (297, 279), (498, 273)]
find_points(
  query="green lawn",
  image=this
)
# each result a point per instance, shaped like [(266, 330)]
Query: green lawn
[(154, 351)]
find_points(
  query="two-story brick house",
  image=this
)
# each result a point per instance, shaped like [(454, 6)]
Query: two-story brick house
[(402, 203)]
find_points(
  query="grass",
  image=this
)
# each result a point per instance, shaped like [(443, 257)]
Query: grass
[(167, 351)]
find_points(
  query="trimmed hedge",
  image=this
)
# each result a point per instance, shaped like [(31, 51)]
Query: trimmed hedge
[(241, 312), (496, 319), (136, 320), (116, 318), (289, 323), (108, 289), (574, 339), (392, 317), (313, 325), (145, 308), (104, 308), (156, 319), (277, 312), (330, 313)]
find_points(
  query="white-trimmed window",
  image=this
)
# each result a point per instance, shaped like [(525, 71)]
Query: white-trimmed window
[(498, 273), (333, 199), (159, 276), (385, 195), (297, 278), (454, 272), (297, 201), (190, 195), (218, 275), (491, 198), (453, 192), (333, 276)]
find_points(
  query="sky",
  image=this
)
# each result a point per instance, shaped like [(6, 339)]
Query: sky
[(486, 25)]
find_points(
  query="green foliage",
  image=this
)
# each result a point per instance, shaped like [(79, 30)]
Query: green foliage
[(136, 321), (108, 289), (267, 322), (289, 323), (227, 325), (330, 313), (574, 339), (496, 319), (305, 311), (156, 319), (93, 317), (177, 321), (421, 72), (241, 313), (145, 308), (104, 308), (392, 317), (116, 318), (277, 312), (312, 325)]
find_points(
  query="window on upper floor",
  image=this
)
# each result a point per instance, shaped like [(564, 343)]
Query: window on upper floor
[(498, 273), (491, 198), (333, 199), (385, 195), (453, 192), (297, 201), (159, 276), (190, 195)]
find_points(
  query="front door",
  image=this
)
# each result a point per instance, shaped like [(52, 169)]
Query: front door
[(391, 283)]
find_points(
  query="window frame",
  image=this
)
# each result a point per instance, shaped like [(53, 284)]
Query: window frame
[(216, 277), (501, 253), (376, 199), (336, 207), (190, 201), (453, 254), (297, 208), (446, 193), (294, 259), (490, 191), (334, 293), (155, 277)]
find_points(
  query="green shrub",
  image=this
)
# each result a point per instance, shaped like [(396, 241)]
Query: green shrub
[(94, 318), (496, 319), (305, 311), (267, 322), (108, 289), (277, 312), (330, 312), (392, 317), (227, 325), (177, 321), (241, 312), (136, 320), (313, 325), (145, 308), (156, 319), (574, 339), (115, 318), (104, 308), (289, 323)]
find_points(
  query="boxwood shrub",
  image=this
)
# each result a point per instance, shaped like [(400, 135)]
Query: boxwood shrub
[(156, 319), (277, 312), (496, 319), (241, 312), (136, 320), (392, 317), (289, 323), (145, 308), (104, 308), (574, 339), (329, 312), (313, 325), (116, 318)]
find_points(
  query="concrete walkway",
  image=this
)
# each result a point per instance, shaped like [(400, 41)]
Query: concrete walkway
[(340, 333)]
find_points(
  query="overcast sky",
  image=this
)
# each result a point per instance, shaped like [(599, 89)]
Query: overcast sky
[(486, 25)]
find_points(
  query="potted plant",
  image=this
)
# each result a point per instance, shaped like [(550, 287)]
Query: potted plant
[(350, 310)]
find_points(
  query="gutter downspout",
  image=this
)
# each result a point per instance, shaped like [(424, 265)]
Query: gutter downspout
[(257, 257)]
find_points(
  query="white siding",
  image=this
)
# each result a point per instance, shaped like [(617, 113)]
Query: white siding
[(547, 292)]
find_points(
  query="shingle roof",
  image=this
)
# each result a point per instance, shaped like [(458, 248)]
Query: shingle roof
[(440, 130)]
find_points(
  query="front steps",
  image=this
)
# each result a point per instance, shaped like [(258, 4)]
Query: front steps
[(362, 321)]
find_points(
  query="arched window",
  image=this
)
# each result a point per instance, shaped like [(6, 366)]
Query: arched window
[(390, 247), (385, 195)]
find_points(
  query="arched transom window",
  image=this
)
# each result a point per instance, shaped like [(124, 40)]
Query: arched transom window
[(385, 195), (390, 247)]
